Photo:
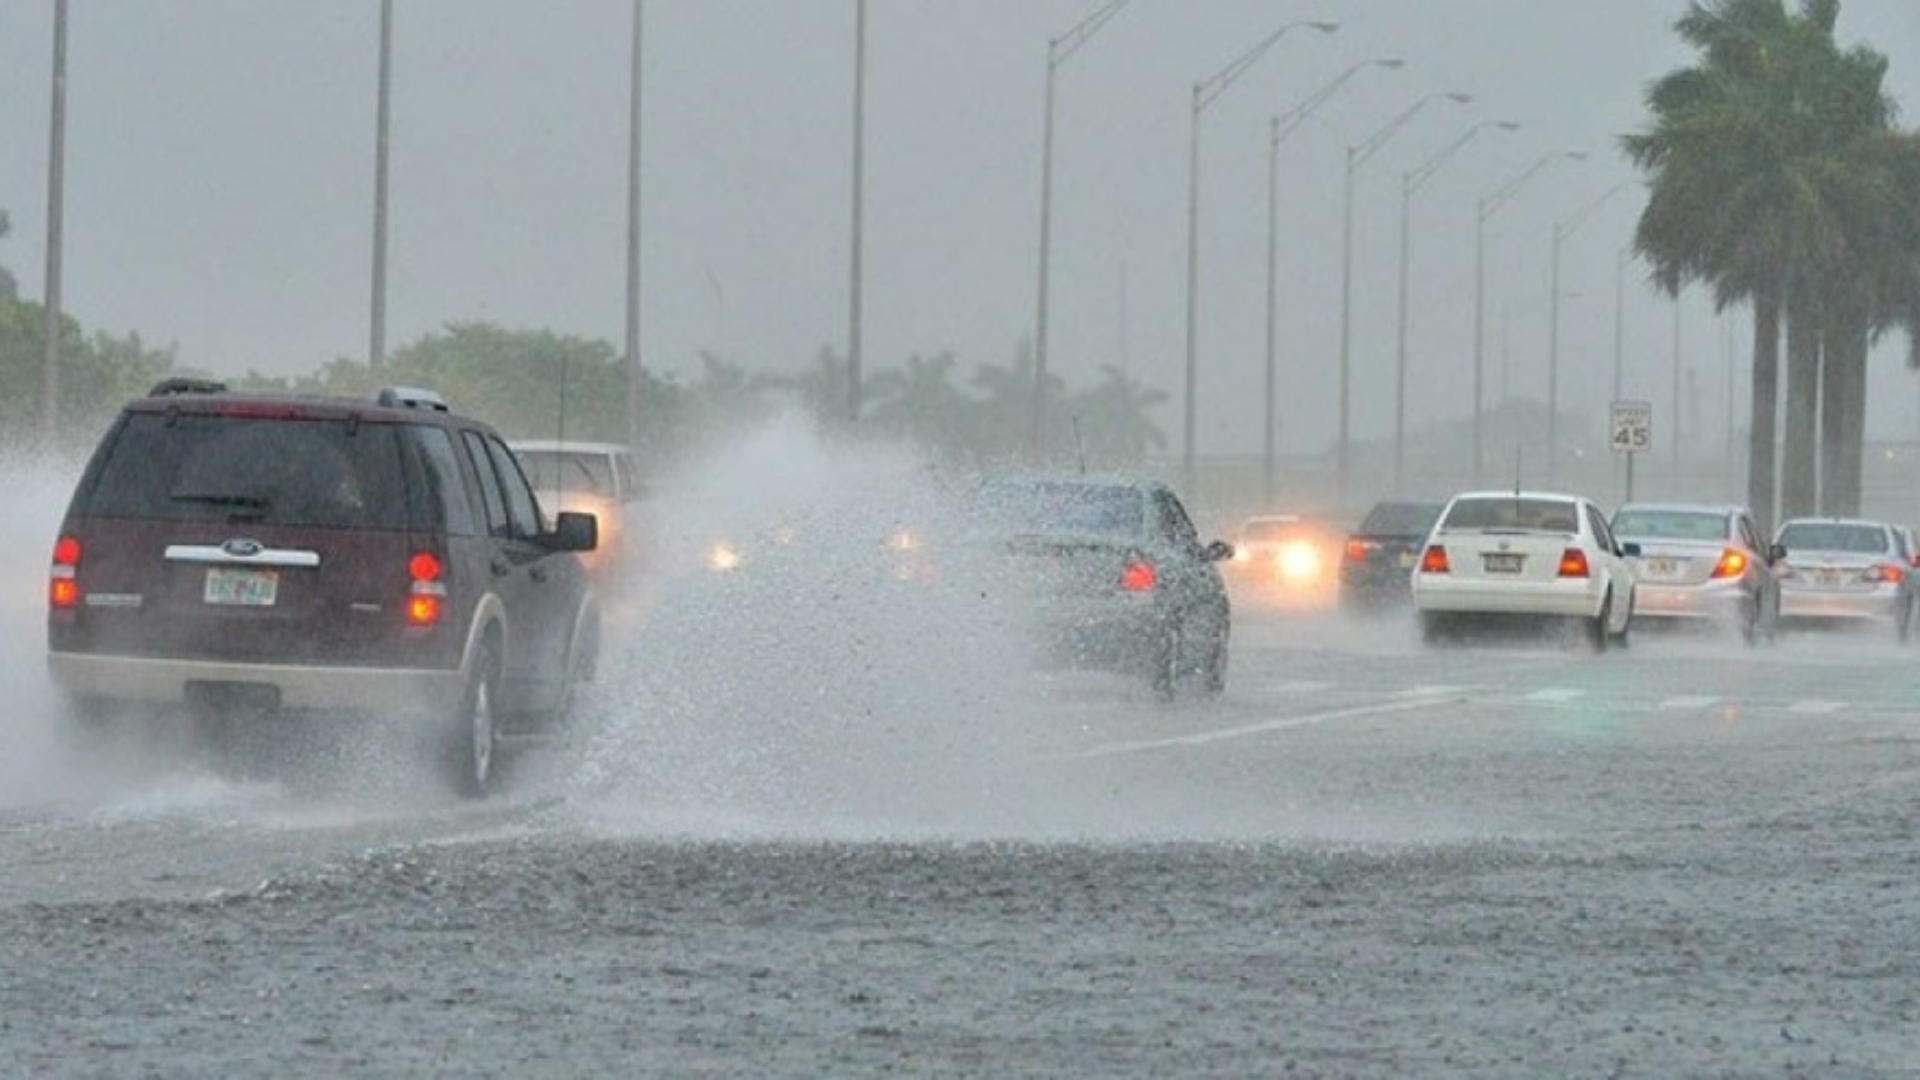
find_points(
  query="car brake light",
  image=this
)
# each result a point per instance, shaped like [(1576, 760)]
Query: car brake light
[(1888, 572), (427, 592), (63, 587), (1573, 563), (1357, 549), (1732, 564), (1139, 576), (1434, 560)]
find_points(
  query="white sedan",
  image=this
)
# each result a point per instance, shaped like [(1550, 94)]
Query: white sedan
[(1524, 554)]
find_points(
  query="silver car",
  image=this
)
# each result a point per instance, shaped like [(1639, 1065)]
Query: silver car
[(1845, 569), (1699, 562)]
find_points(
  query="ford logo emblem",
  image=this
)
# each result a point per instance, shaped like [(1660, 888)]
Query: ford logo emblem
[(244, 549)]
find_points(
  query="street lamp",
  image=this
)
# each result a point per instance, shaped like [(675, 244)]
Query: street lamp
[(1411, 182), (1357, 156), (856, 240), (56, 197), (377, 330), (1204, 93), (1561, 230), (1058, 49), (1282, 125), (1489, 204)]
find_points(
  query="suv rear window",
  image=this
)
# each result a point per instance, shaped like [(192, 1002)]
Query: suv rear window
[(203, 467)]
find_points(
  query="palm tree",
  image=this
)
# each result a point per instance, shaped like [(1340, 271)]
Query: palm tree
[(1006, 410), (921, 402), (1754, 156), (1112, 421)]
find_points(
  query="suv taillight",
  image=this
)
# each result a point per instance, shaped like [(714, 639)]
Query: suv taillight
[(428, 591), (1139, 576), (63, 587)]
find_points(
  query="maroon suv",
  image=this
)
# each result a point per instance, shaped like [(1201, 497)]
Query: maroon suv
[(382, 556)]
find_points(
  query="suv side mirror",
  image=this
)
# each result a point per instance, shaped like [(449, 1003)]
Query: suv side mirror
[(573, 531), (1218, 551)]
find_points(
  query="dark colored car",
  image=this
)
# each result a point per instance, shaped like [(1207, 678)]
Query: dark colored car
[(1376, 566), (242, 554), (1116, 576)]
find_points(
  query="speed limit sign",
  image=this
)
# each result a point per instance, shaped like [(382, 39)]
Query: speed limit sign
[(1631, 431)]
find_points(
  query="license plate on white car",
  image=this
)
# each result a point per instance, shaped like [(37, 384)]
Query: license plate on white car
[(241, 588), (1503, 562), (1662, 568)]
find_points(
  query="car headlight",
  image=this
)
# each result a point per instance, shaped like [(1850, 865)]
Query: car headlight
[(722, 556), (1299, 562)]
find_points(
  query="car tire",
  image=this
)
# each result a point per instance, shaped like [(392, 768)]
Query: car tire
[(1903, 624), (582, 666), (1597, 634), (1433, 628), (472, 738), (1213, 676)]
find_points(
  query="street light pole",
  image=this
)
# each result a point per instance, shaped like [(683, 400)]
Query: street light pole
[(1487, 206), (377, 332), (1281, 126), (1204, 94), (633, 234), (1620, 325), (859, 182), (56, 195), (1058, 49), (1357, 156), (1411, 182), (1561, 230)]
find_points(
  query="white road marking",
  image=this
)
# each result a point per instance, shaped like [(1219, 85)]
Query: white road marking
[(1555, 693), (1204, 737), (1695, 701), (1811, 706), (1430, 691)]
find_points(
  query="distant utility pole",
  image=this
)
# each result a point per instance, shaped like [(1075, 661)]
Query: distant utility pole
[(859, 180), (377, 345), (56, 183), (633, 235)]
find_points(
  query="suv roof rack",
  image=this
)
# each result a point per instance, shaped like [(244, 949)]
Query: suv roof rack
[(411, 397), (185, 384)]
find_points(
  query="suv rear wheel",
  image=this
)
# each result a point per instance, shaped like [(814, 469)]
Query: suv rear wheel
[(471, 738)]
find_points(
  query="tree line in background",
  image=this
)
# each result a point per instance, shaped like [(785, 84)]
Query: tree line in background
[(1778, 179), (539, 384)]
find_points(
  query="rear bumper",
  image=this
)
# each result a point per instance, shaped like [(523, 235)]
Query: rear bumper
[(1820, 604), (1579, 598), (1716, 600), (142, 680)]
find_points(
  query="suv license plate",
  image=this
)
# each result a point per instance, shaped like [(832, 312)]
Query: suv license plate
[(1503, 562), (244, 588)]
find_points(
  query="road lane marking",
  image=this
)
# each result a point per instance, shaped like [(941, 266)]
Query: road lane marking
[(1430, 691), (1555, 694), (1204, 737), (1694, 701), (1820, 707)]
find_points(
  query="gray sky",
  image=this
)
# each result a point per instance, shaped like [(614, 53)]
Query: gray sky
[(220, 167)]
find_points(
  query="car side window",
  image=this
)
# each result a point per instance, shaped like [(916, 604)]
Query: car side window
[(1172, 521), (491, 497), (1750, 535), (522, 511), (1599, 526), (445, 487)]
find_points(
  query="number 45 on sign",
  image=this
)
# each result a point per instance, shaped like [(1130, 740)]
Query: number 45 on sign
[(1631, 431)]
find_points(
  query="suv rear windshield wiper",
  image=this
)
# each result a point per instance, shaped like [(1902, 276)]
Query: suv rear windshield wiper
[(241, 505)]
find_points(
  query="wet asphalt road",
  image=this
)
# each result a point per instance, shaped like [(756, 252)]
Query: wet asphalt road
[(1369, 858)]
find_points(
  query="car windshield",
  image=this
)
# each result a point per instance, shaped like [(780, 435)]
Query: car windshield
[(570, 471), (197, 466), (1833, 536), (1261, 531), (1513, 512), (1400, 519), (1670, 524)]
